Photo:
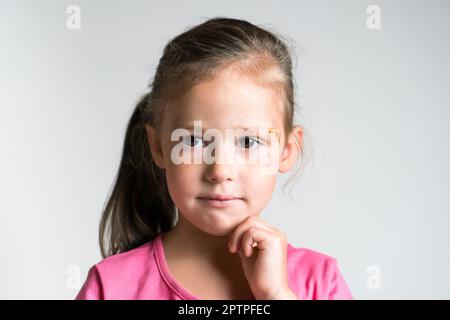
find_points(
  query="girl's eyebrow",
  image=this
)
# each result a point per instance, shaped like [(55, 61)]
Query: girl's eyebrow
[(270, 130), (191, 126)]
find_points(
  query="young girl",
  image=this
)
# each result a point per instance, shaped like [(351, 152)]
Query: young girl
[(191, 229)]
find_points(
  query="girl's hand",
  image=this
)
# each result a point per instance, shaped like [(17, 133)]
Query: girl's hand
[(263, 252)]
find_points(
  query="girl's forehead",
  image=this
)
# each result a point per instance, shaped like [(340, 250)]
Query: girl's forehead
[(228, 101), (230, 84)]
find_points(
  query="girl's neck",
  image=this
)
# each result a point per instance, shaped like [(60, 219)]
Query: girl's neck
[(186, 240)]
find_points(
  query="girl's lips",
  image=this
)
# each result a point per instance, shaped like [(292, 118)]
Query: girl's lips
[(220, 203)]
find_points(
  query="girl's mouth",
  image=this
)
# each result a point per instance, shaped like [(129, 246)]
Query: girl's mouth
[(220, 201)]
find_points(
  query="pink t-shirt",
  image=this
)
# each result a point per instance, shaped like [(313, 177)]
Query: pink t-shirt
[(142, 273)]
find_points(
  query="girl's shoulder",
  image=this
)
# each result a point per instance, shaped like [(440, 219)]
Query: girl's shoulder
[(315, 275), (119, 276), (302, 259), (131, 260), (307, 252)]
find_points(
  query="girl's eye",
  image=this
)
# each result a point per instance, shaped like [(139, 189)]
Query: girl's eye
[(193, 141), (248, 142), (244, 142)]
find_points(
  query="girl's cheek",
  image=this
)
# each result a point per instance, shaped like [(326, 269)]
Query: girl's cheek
[(186, 177), (267, 188)]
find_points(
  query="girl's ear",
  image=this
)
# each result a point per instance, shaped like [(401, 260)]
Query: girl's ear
[(291, 149), (155, 146)]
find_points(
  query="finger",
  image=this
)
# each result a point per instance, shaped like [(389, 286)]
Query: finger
[(262, 237), (280, 233), (241, 228)]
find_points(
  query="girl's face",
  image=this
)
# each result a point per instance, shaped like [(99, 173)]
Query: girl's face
[(227, 102)]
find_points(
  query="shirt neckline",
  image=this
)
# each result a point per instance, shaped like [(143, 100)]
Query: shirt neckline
[(167, 276)]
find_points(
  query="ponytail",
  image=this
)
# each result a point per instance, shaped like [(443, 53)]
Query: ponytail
[(139, 206)]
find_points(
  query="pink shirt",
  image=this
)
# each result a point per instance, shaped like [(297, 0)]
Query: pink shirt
[(142, 273)]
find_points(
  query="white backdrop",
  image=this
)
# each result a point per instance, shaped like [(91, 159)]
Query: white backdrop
[(375, 103)]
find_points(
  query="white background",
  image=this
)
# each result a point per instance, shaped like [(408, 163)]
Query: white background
[(375, 104)]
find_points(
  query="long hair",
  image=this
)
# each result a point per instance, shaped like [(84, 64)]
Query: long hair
[(139, 206)]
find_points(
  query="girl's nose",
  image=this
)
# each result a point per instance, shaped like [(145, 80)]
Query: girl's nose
[(222, 167), (218, 173)]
